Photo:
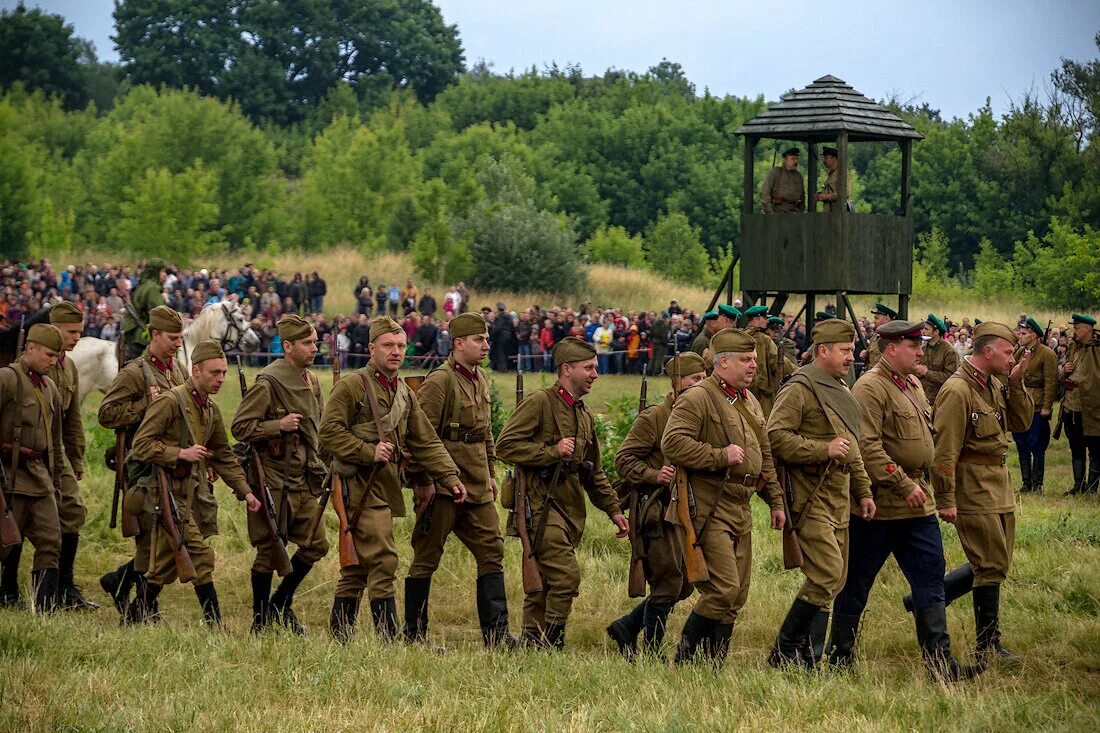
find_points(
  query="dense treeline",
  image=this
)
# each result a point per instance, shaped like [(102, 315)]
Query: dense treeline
[(489, 177)]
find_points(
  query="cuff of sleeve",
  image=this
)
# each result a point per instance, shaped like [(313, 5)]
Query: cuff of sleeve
[(902, 489), (449, 482), (720, 459), (366, 454), (271, 429), (242, 491), (170, 456)]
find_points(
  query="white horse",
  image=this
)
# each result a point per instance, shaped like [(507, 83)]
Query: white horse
[(96, 359)]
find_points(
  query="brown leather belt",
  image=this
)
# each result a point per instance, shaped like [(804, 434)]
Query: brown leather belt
[(818, 469), (915, 473), (471, 436), (982, 459), (24, 451), (1069, 384), (753, 481)]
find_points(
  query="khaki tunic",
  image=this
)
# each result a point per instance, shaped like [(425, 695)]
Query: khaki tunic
[(1084, 397), (292, 463), (349, 435), (157, 441), (974, 416), (1041, 377), (873, 352), (701, 343), (529, 442), (782, 192), (638, 462), (33, 488), (70, 504), (447, 397), (831, 187), (764, 382), (895, 440), (800, 433), (695, 440), (942, 360)]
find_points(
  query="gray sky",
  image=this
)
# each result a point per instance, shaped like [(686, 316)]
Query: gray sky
[(951, 54)]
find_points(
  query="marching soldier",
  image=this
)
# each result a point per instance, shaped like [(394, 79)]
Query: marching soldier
[(709, 326), (148, 295), (456, 401), (896, 443), (716, 434), (974, 414), (830, 195), (1081, 404), (782, 191), (33, 460), (552, 438), (881, 315), (642, 465), (187, 416), (814, 429), (940, 360), (281, 416), (350, 435), (765, 383), (122, 410), (1041, 382)]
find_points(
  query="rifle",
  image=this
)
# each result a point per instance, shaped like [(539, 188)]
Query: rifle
[(519, 386), (694, 561), (130, 525), (168, 515), (340, 501), (635, 584), (335, 361), (544, 511), (1061, 421), (9, 530), (642, 396), (522, 516), (22, 340), (792, 551), (1046, 334), (280, 558)]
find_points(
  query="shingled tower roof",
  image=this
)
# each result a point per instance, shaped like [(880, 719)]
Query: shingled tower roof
[(822, 110)]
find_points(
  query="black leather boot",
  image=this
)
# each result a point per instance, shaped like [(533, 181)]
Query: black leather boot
[(342, 621), (696, 629), (417, 591), (1038, 471), (44, 583), (1092, 486), (143, 608), (935, 646), (793, 636), (208, 600), (71, 597), (1078, 476), (117, 585), (956, 584), (653, 626), (625, 629), (261, 607), (987, 620), (842, 640), (10, 596), (492, 611), (281, 602), (720, 636), (384, 613), (1025, 473), (554, 636), (815, 640)]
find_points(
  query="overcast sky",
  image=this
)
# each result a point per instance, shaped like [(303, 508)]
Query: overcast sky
[(951, 54)]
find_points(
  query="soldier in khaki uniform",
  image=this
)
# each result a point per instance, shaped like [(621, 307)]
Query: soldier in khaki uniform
[(147, 296), (187, 416), (641, 465), (896, 443), (33, 457), (940, 360), (830, 195), (974, 414), (349, 435), (122, 410), (709, 326), (765, 383), (1041, 382), (782, 191), (553, 433), (1081, 403), (814, 430), (456, 401), (716, 434), (786, 347), (881, 315), (281, 416)]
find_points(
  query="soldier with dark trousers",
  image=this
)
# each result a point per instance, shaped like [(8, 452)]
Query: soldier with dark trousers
[(642, 466), (895, 440), (1081, 404), (1041, 383)]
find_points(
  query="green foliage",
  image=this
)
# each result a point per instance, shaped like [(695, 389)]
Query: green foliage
[(993, 274), (614, 246), (39, 51), (673, 249), (437, 253), (932, 250), (163, 213)]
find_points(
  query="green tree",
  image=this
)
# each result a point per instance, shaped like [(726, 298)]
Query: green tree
[(39, 50), (673, 249), (169, 214), (614, 246), (436, 252)]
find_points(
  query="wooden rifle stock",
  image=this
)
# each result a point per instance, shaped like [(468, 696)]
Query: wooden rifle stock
[(280, 559), (792, 551), (169, 513), (9, 530), (335, 362), (532, 578), (636, 583), (130, 525), (348, 558), (22, 340), (693, 554)]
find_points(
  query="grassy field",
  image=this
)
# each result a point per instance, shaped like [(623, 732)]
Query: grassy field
[(80, 672)]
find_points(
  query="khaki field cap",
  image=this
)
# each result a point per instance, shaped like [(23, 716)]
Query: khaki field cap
[(571, 349), (992, 328), (206, 350), (467, 324), (66, 312), (292, 327), (833, 331), (165, 319), (46, 335), (901, 330), (686, 363), (381, 325), (731, 340)]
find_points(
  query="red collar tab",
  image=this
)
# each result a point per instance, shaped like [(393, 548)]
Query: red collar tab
[(390, 384), (902, 384), (61, 360), (978, 376), (36, 379), (200, 402), (162, 366), (733, 394), (305, 378), (471, 375), (566, 397)]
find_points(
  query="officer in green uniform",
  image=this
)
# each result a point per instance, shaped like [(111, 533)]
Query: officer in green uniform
[(552, 434), (709, 327), (1081, 381), (782, 191), (830, 194), (146, 296), (881, 315), (787, 348), (765, 382), (814, 430), (1041, 382), (940, 359)]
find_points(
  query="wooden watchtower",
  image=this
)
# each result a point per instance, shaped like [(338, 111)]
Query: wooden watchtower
[(825, 253)]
